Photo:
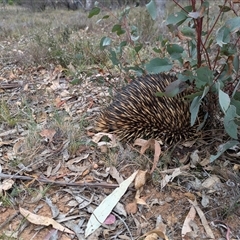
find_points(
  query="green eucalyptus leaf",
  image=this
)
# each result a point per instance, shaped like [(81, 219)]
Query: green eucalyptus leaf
[(194, 109), (105, 17), (223, 36), (236, 103), (175, 51), (195, 105), (93, 12), (105, 41), (224, 100), (176, 19), (157, 50), (188, 32), (116, 27), (158, 65), (236, 62), (205, 77), (139, 71), (229, 122), (233, 24), (152, 9), (222, 148), (113, 57), (138, 47), (224, 8)]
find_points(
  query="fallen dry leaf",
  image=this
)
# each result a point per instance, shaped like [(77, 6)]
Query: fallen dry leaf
[(131, 207), (104, 209), (154, 234), (48, 133), (150, 144), (97, 137), (186, 228), (6, 185), (41, 220), (5, 143), (138, 199), (140, 179), (203, 219), (116, 175), (212, 184), (169, 178)]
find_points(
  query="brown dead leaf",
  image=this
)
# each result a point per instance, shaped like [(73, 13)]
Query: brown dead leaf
[(11, 76), (154, 234), (26, 87), (131, 207), (58, 69), (144, 144), (97, 137), (236, 167), (5, 143), (116, 175), (138, 198), (151, 236), (140, 179), (6, 185), (157, 153), (41, 220), (104, 149), (48, 133), (190, 195), (203, 219), (169, 178), (58, 102), (189, 143), (150, 144), (186, 225), (205, 162), (230, 64), (42, 117), (17, 147), (55, 84), (212, 184)]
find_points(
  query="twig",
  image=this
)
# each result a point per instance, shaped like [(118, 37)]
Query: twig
[(9, 220), (59, 183), (126, 226)]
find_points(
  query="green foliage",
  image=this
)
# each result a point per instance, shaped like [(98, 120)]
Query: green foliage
[(204, 46), (6, 116)]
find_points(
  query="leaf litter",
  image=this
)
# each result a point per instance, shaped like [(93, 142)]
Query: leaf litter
[(63, 178)]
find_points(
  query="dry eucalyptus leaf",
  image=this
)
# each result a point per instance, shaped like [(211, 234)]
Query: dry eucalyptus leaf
[(138, 198), (104, 209), (169, 178), (48, 133), (140, 179), (150, 144), (212, 183), (155, 234), (41, 220), (186, 228), (116, 175), (203, 219), (97, 137), (6, 185), (131, 207)]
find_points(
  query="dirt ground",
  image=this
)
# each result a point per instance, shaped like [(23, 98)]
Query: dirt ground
[(47, 135)]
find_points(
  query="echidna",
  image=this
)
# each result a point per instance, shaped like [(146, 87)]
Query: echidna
[(136, 112)]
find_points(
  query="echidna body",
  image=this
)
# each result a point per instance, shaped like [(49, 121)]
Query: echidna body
[(136, 112)]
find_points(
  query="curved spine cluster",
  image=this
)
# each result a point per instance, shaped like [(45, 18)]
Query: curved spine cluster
[(136, 112)]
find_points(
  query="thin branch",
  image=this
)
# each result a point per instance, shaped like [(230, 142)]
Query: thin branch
[(59, 183)]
